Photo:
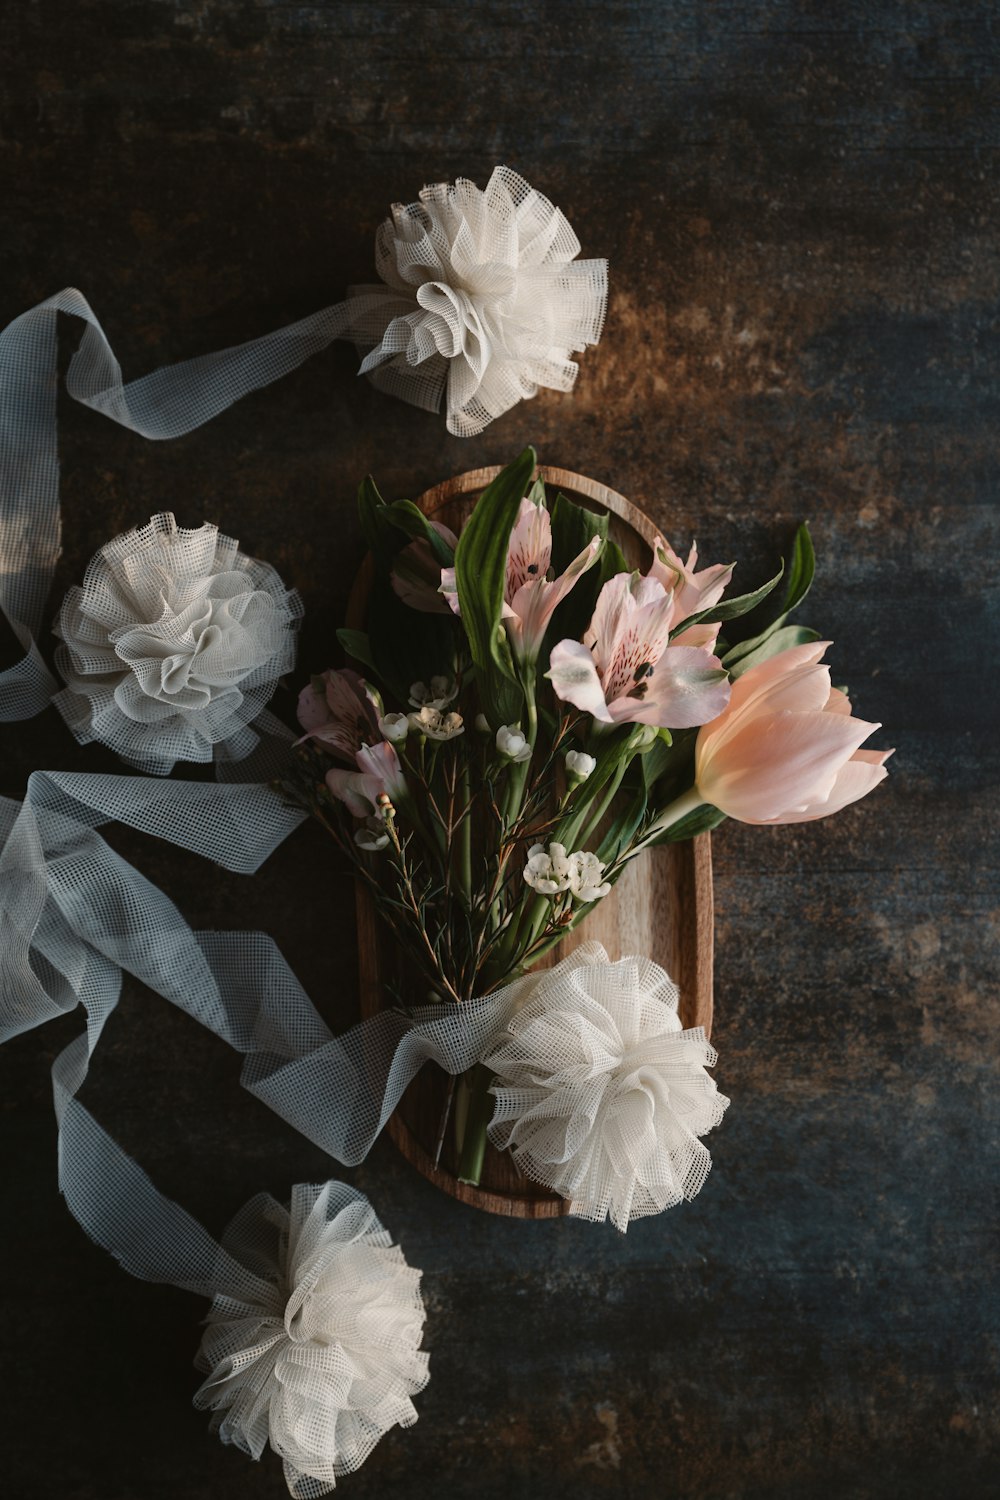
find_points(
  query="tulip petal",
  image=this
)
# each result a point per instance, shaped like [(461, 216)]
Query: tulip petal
[(793, 681), (778, 764), (855, 780)]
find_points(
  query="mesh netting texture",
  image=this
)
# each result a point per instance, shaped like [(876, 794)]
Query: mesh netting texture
[(482, 302), (315, 1346), (172, 645), (497, 301), (601, 1095)]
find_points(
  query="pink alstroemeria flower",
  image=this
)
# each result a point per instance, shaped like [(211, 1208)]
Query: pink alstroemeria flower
[(691, 591), (378, 771), (626, 672), (416, 574), (338, 710), (530, 597), (786, 748)]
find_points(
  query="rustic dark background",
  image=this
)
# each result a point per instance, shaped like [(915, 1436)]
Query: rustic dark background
[(799, 202)]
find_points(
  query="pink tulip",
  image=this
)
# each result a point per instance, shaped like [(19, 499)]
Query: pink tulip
[(786, 749), (625, 670), (338, 710), (530, 597), (378, 771)]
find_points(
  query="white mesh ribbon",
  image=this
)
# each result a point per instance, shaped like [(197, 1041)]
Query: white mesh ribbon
[(319, 1355), (486, 302), (482, 301), (601, 1094), (73, 916), (172, 645)]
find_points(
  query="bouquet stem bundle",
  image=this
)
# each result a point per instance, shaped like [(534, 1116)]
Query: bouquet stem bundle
[(532, 716)]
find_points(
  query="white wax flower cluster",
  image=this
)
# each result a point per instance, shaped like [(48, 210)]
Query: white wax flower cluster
[(600, 1093), (317, 1352), (484, 300), (172, 645), (551, 870), (435, 724)]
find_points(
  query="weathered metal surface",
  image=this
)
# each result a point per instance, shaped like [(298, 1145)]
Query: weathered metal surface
[(799, 202)]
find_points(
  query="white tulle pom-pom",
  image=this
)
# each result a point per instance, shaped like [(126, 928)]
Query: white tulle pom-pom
[(317, 1349), (600, 1093), (485, 300), (172, 645)]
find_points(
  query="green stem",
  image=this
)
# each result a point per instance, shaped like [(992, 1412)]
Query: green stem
[(478, 1113), (687, 803), (465, 838)]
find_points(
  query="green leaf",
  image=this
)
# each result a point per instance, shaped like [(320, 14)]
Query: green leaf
[(407, 645), (656, 759), (751, 653), (357, 647), (537, 492), (410, 519), (481, 563), (731, 609), (380, 534), (573, 526), (800, 570), (623, 829), (702, 820)]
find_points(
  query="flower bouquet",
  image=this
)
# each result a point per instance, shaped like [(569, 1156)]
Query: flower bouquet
[(530, 712)]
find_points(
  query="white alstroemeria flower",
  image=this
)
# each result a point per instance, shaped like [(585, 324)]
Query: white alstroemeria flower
[(173, 645), (585, 871), (484, 300), (437, 694), (579, 765), (394, 727), (436, 725), (625, 670), (372, 834), (512, 744), (547, 870), (531, 597)]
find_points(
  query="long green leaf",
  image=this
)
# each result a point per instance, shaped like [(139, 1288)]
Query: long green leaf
[(731, 609), (702, 820), (573, 526), (800, 570), (407, 645), (410, 519), (481, 562), (357, 646), (380, 534), (769, 643)]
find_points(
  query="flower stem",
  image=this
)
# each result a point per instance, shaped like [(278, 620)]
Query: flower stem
[(687, 803), (478, 1113)]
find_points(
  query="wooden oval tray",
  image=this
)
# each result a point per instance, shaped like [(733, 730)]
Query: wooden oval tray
[(661, 907)]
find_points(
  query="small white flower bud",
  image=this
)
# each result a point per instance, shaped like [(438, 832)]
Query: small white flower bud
[(579, 765), (394, 727), (512, 744)]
